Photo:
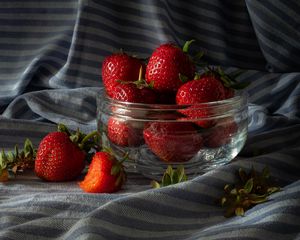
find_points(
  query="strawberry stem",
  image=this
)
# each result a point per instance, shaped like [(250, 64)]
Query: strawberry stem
[(62, 128), (89, 136)]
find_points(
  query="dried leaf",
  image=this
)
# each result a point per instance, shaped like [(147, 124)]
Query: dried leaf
[(239, 211), (3, 175), (223, 201), (251, 189)]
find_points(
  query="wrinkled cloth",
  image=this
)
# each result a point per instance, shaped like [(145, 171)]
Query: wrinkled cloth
[(50, 72)]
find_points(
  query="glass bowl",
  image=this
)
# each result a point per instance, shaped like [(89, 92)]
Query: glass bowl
[(200, 137)]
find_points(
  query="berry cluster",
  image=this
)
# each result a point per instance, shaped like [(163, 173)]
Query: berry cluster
[(169, 77)]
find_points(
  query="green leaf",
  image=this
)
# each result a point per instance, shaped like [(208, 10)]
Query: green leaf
[(151, 85), (74, 138), (186, 46), (16, 150), (234, 191), (252, 188), (259, 200), (171, 176), (169, 171), (248, 185), (63, 128), (223, 201), (175, 177), (266, 172), (183, 78), (3, 156), (28, 145), (3, 164), (155, 184), (227, 188), (115, 169), (10, 157), (271, 190), (180, 173), (167, 180)]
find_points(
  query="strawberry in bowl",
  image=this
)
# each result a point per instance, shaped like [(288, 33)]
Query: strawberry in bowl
[(173, 115)]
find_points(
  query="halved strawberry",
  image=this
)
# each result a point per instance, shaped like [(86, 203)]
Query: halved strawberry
[(105, 174)]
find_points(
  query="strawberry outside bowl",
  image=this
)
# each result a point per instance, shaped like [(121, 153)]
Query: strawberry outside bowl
[(200, 137)]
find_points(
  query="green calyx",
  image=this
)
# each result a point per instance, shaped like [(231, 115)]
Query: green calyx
[(17, 160), (228, 80), (171, 177), (85, 142), (187, 45), (118, 167), (197, 58), (251, 189)]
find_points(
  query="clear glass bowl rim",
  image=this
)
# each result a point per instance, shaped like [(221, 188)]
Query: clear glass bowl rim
[(221, 108)]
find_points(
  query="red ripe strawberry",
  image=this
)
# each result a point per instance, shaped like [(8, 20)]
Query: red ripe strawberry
[(165, 65), (130, 133), (173, 141), (124, 133), (220, 134), (200, 91), (125, 93), (105, 174), (129, 92), (120, 66), (206, 89), (58, 159)]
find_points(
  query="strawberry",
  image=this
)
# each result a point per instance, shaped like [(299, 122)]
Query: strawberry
[(124, 133), (119, 67), (220, 134), (200, 91), (125, 93), (206, 89), (58, 159), (165, 66), (105, 174), (173, 141), (61, 156)]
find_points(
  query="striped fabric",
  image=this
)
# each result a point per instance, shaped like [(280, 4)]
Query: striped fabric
[(50, 63)]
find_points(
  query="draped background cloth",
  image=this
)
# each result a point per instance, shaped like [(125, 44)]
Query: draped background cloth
[(50, 63)]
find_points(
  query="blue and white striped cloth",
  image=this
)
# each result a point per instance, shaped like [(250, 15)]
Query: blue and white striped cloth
[(50, 63)]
